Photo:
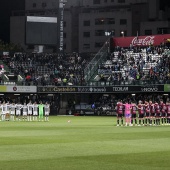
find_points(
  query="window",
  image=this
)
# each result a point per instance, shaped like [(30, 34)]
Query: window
[(121, 1), (86, 34), (99, 33), (123, 21), (99, 21), (64, 23), (162, 30), (86, 23), (110, 21), (34, 5), (96, 1), (86, 46), (148, 32), (64, 35), (44, 4), (109, 32), (98, 44), (64, 46)]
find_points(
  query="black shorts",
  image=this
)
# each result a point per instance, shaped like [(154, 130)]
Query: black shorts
[(152, 115), (147, 114), (168, 115), (158, 114), (163, 114), (141, 116), (119, 115), (133, 115)]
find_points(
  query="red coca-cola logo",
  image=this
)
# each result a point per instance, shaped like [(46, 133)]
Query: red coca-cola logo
[(143, 41)]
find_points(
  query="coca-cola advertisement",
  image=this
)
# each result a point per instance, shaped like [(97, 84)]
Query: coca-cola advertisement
[(141, 41)]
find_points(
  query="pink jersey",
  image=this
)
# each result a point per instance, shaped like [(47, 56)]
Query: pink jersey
[(127, 108)]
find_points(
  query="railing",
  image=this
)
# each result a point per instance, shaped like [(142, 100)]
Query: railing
[(130, 82), (100, 57), (91, 83)]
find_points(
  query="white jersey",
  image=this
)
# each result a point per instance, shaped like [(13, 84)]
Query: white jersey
[(0, 108), (13, 106), (4, 107), (8, 107), (35, 107), (30, 106), (25, 108), (18, 109), (13, 109), (47, 109)]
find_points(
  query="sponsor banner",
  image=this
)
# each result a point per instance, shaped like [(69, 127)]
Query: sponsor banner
[(22, 89), (92, 89), (99, 89), (3, 88), (140, 40), (57, 89), (166, 87), (152, 88)]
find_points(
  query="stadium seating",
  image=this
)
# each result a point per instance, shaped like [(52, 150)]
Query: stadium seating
[(123, 66), (133, 67)]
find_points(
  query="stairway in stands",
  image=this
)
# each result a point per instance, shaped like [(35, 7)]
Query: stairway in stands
[(92, 68)]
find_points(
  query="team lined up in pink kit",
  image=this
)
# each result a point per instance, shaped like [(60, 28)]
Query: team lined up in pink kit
[(145, 113)]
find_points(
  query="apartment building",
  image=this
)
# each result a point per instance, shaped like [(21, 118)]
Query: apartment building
[(89, 23)]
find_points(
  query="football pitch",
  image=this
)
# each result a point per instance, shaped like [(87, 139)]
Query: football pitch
[(84, 143)]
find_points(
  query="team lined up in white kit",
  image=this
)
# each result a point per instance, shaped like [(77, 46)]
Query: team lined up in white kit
[(25, 112)]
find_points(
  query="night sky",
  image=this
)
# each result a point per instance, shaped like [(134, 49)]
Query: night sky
[(7, 6)]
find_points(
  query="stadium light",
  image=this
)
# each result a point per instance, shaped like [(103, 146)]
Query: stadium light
[(107, 33), (133, 94), (165, 94), (123, 34)]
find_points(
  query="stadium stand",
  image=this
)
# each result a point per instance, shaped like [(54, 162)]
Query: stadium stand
[(132, 66), (125, 66), (47, 69)]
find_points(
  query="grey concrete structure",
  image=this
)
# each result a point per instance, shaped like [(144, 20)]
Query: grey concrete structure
[(86, 22)]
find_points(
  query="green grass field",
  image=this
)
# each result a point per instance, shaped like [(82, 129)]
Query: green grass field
[(86, 143)]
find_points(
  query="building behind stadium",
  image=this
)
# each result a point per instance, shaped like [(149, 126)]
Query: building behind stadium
[(87, 22)]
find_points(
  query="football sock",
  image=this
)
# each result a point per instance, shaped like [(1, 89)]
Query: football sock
[(150, 121)]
